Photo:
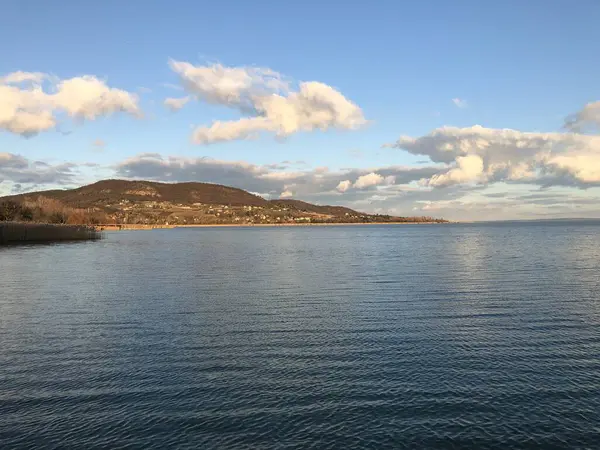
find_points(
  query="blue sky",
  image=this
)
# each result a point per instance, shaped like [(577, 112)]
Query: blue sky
[(513, 64)]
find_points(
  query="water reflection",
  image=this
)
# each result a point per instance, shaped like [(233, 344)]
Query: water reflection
[(464, 335)]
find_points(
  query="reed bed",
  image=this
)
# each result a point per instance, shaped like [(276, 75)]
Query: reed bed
[(15, 232)]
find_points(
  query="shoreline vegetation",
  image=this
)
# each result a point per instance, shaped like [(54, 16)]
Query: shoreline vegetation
[(125, 227), (20, 232), (27, 232)]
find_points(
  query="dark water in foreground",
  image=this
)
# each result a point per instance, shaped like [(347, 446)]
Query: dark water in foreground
[(435, 336)]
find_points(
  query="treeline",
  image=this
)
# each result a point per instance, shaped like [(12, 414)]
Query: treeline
[(47, 210)]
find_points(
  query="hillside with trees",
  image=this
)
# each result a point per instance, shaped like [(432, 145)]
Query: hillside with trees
[(152, 203)]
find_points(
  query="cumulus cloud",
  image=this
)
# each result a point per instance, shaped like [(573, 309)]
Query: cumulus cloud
[(88, 98), (230, 130), (267, 99), (176, 103), (32, 102), (468, 168), (485, 155), (230, 86), (320, 186), (343, 186), (370, 179), (460, 102)]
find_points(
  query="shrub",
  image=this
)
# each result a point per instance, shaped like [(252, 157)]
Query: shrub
[(9, 210), (57, 217), (26, 213), (76, 217)]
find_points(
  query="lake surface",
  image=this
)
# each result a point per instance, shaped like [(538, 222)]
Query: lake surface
[(417, 336)]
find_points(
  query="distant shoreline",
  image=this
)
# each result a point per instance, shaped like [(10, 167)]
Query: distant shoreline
[(125, 227)]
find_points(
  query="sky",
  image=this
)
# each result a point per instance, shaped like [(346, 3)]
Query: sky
[(465, 110)]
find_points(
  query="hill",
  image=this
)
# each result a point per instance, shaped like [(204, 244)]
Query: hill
[(108, 192), (147, 202), (318, 209)]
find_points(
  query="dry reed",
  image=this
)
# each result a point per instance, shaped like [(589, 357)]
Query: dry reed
[(14, 232)]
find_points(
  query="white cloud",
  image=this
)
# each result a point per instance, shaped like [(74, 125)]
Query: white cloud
[(286, 194), (88, 98), (368, 180), (460, 102), (26, 108), (175, 104), (230, 130), (343, 186), (468, 168), (269, 101), (23, 77), (231, 86), (486, 155), (365, 181)]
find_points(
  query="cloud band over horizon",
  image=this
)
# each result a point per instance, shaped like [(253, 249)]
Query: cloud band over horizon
[(464, 166)]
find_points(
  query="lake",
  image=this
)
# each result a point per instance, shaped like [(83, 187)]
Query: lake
[(391, 336)]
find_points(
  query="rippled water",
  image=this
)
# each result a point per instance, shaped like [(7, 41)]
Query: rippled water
[(446, 336)]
